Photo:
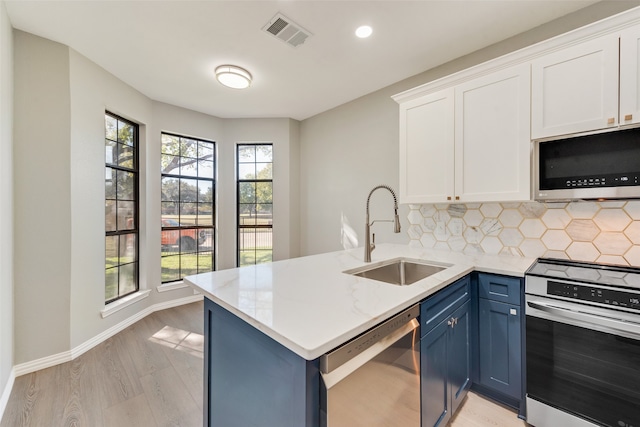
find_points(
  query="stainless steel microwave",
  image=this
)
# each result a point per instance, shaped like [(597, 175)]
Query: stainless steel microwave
[(603, 165)]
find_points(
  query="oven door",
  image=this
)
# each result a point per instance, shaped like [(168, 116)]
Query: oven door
[(583, 361)]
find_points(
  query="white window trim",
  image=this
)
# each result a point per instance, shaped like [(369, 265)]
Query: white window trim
[(179, 284), (124, 302)]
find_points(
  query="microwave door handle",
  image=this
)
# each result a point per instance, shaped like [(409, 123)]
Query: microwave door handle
[(614, 323)]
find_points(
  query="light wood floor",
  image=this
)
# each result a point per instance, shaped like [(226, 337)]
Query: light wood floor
[(477, 411), (151, 374)]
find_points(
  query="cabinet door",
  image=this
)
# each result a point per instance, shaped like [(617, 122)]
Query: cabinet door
[(439, 307), (434, 383), (445, 367), (500, 347), (630, 76), (426, 148), (492, 137), (459, 356), (575, 89)]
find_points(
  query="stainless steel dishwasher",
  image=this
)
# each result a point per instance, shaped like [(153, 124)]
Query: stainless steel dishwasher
[(374, 380)]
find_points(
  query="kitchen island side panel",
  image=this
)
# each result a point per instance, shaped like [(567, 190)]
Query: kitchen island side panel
[(251, 380)]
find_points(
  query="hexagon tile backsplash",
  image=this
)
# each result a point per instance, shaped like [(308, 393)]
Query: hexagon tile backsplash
[(607, 232)]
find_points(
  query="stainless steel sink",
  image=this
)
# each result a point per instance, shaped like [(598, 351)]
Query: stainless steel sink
[(398, 271)]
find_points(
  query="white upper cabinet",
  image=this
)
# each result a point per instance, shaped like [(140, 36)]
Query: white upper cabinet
[(492, 145), (630, 76), (575, 89), (426, 148), (469, 142), (467, 137)]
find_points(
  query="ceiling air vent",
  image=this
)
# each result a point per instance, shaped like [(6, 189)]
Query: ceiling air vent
[(286, 30)]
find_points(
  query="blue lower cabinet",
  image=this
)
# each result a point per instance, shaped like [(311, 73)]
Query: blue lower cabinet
[(500, 350), (498, 339), (251, 380), (434, 384), (460, 357), (445, 365)]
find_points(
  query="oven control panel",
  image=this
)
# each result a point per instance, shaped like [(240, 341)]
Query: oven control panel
[(606, 296)]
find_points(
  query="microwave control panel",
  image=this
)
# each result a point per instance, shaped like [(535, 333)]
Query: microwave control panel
[(602, 181)]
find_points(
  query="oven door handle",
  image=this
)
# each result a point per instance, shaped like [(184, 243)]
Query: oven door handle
[(608, 322)]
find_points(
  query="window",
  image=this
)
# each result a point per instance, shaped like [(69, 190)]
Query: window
[(188, 207), (121, 207), (255, 203)]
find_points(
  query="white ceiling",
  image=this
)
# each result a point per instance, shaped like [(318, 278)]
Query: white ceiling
[(169, 49)]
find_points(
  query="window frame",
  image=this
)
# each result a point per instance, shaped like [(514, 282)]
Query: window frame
[(239, 227), (136, 216), (180, 228)]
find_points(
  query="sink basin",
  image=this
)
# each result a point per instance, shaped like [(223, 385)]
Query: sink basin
[(398, 271)]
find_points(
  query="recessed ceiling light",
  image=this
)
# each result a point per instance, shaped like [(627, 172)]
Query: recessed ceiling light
[(364, 31), (233, 76)]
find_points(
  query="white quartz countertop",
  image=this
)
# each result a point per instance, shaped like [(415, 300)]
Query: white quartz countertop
[(311, 307)]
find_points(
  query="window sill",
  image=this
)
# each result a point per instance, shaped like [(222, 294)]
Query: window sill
[(116, 306), (172, 286)]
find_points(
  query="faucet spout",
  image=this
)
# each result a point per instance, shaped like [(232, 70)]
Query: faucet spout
[(368, 245)]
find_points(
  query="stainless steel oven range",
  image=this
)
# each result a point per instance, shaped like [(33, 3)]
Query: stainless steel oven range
[(583, 344)]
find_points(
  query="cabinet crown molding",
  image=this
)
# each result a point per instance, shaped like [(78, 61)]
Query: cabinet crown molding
[(609, 25)]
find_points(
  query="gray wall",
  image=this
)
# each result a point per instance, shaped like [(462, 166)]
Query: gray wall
[(348, 150), (283, 134), (92, 91), (61, 97), (41, 197), (6, 205)]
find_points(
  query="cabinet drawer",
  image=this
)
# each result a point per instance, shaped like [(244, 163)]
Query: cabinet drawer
[(437, 307), (499, 288)]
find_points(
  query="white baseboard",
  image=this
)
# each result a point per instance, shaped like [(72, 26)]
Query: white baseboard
[(66, 356), (4, 397)]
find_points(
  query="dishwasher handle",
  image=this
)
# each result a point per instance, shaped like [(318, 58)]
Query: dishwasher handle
[(346, 359), (351, 349), (341, 372)]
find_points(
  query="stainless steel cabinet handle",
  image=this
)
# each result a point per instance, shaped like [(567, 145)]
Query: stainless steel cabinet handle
[(452, 322)]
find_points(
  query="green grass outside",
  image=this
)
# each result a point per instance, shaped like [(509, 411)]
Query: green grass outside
[(111, 277), (259, 256), (174, 268)]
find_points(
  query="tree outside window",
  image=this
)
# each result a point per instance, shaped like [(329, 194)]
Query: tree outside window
[(187, 206), (121, 207), (255, 203)]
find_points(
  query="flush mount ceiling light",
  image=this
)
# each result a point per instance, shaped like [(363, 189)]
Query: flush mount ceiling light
[(233, 77), (364, 31)]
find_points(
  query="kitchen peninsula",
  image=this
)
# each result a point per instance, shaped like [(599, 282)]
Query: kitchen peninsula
[(267, 325)]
